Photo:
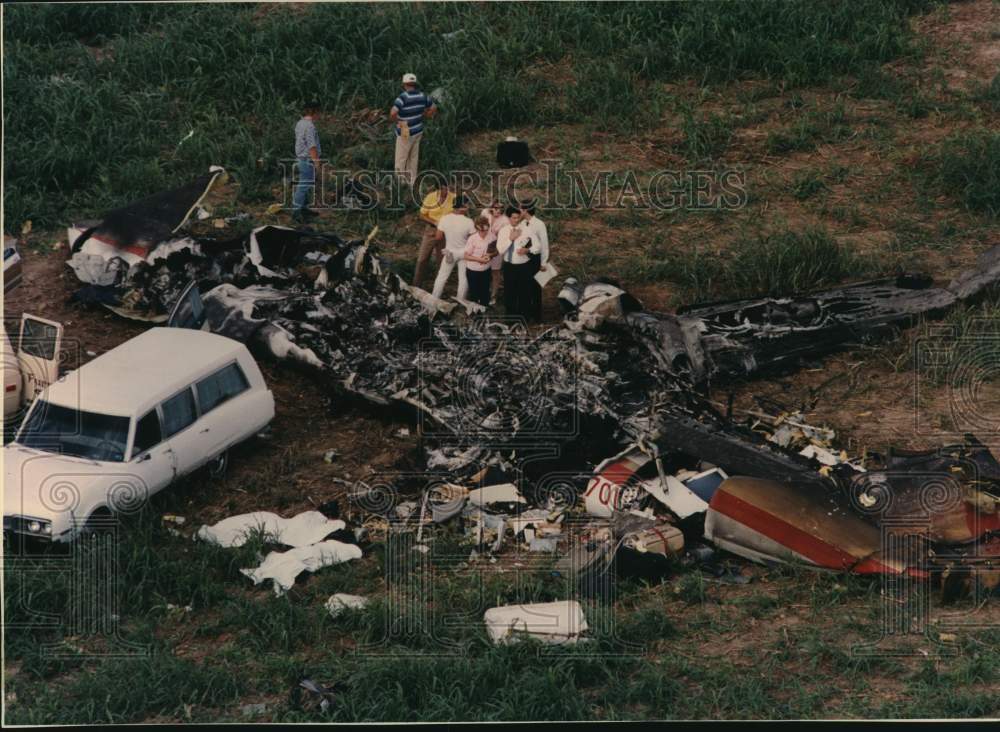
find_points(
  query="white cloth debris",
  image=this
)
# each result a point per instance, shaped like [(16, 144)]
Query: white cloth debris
[(302, 530), (549, 622), (336, 604), (284, 567), (528, 518), (502, 493)]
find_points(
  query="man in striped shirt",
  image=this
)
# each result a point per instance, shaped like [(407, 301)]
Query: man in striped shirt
[(408, 112)]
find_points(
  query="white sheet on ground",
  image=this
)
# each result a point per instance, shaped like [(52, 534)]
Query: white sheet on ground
[(284, 567), (302, 530)]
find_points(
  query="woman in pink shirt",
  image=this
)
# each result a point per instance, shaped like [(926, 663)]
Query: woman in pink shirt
[(477, 262), (498, 219)]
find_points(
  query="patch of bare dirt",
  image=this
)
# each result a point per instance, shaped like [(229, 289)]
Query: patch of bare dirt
[(965, 42)]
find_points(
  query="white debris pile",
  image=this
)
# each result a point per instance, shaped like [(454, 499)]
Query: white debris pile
[(305, 533)]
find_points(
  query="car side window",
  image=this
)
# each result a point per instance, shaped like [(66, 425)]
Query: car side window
[(221, 386), (178, 413), (147, 433)]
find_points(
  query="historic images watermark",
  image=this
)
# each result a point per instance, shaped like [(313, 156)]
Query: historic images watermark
[(965, 360), (553, 186)]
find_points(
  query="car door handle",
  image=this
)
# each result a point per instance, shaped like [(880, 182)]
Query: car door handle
[(204, 431)]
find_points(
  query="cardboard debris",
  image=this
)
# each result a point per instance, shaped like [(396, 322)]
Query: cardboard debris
[(550, 622), (665, 540)]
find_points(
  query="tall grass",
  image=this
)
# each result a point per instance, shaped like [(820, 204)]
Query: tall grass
[(98, 98), (131, 690), (779, 263), (967, 166)]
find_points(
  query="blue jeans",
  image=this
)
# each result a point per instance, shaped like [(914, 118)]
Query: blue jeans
[(307, 180)]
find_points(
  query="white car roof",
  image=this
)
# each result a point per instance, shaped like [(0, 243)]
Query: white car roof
[(140, 373)]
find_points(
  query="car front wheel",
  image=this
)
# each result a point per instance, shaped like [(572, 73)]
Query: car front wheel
[(217, 465)]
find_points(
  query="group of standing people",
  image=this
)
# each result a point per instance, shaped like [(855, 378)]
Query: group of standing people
[(503, 243)]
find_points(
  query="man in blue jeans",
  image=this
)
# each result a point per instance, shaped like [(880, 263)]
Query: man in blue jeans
[(307, 152)]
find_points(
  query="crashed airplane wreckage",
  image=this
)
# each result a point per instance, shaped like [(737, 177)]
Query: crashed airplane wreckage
[(488, 393)]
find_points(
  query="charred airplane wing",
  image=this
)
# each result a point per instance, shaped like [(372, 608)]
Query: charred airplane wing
[(741, 337)]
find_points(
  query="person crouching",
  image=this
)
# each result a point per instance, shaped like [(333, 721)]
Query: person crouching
[(477, 262)]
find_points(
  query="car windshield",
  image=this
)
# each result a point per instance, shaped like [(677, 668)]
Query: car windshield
[(67, 431)]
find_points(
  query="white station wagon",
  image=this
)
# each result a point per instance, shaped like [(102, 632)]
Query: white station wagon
[(107, 436)]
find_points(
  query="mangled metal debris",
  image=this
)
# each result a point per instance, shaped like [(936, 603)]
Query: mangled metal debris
[(486, 390), (743, 337)]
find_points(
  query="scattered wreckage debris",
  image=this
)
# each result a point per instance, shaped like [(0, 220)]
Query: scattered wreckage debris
[(319, 696), (486, 392), (137, 261), (337, 604)]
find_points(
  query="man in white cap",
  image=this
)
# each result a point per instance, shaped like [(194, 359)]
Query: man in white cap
[(408, 113)]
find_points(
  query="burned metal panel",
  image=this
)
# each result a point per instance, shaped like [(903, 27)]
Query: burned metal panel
[(766, 521), (141, 225), (719, 441)]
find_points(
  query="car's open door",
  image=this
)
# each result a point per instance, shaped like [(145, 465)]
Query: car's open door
[(189, 311), (38, 350)]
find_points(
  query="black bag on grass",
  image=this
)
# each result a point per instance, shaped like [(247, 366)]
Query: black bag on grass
[(513, 153)]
